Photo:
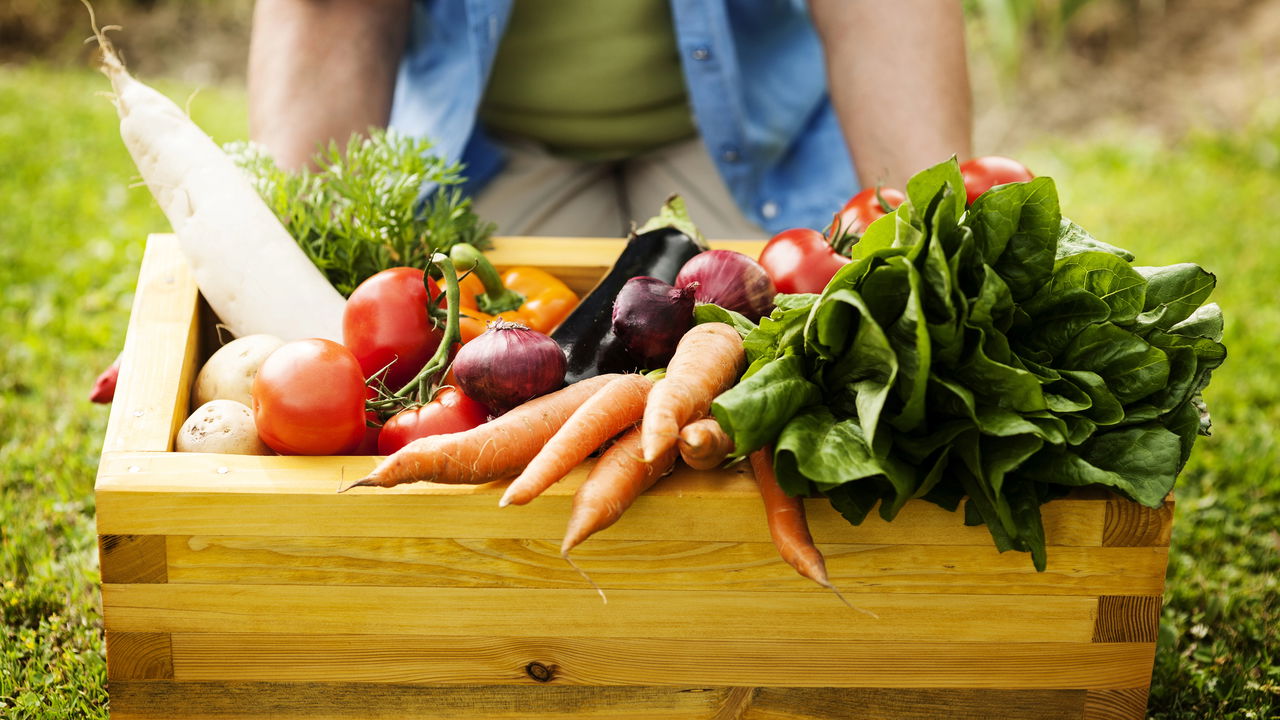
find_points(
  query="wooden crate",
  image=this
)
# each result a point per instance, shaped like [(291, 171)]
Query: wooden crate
[(246, 587)]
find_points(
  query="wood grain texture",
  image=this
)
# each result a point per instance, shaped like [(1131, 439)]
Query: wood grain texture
[(951, 704), (263, 701), (132, 558), (203, 494), (672, 565), (158, 361), (447, 660), (468, 612), (1128, 524), (139, 656), (1128, 704), (580, 262), (330, 701), (1127, 618)]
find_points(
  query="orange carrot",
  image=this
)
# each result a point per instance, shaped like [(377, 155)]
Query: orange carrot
[(619, 477), (704, 444), (616, 407), (496, 450), (787, 523), (707, 361)]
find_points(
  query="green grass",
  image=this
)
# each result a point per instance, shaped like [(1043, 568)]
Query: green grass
[(71, 233)]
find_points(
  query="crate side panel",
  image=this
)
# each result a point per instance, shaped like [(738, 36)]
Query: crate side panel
[(639, 564), (133, 558), (201, 494), (839, 704), (1128, 618), (361, 701), (1128, 524), (1128, 704), (159, 357), (446, 660), (464, 612), (139, 656)]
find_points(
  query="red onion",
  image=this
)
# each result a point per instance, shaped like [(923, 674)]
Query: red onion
[(508, 365), (650, 317), (731, 280)]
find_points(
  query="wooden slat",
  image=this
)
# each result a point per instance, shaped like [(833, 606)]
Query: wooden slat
[(839, 704), (580, 262), (158, 361), (447, 660), (672, 565), (1130, 704), (466, 612), (200, 494), (361, 701), (1128, 524), (322, 701), (132, 558), (1127, 618), (139, 656)]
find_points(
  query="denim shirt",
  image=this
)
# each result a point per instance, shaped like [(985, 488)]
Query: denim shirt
[(756, 83)]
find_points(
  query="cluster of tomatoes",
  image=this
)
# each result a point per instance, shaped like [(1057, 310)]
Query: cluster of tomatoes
[(803, 260), (310, 395)]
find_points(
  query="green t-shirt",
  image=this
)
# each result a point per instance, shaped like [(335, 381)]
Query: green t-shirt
[(589, 79)]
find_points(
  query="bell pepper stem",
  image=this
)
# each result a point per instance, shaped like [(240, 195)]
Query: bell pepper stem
[(497, 297)]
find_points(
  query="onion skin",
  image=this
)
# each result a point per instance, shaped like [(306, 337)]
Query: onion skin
[(507, 365), (731, 280), (650, 317)]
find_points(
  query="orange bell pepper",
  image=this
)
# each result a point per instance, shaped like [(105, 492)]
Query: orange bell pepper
[(527, 295)]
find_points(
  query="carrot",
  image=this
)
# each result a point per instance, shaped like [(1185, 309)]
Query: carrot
[(617, 406), (788, 526), (619, 477), (707, 361), (255, 277), (496, 450), (704, 444)]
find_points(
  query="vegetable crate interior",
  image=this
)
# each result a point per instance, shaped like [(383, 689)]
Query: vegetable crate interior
[(247, 586)]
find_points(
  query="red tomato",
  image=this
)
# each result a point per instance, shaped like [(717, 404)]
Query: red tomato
[(865, 208), (800, 260), (450, 412), (982, 174), (386, 322), (308, 399)]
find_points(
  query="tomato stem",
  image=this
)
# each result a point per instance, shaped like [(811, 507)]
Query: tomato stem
[(497, 298), (421, 384)]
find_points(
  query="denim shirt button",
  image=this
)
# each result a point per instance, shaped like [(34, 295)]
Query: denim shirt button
[(702, 52), (730, 154), (769, 210)]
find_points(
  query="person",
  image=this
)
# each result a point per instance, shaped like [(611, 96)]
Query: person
[(575, 117)]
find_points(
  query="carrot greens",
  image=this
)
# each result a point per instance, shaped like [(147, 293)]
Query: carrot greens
[(386, 201)]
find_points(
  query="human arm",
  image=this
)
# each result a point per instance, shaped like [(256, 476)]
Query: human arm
[(898, 81), (320, 70)]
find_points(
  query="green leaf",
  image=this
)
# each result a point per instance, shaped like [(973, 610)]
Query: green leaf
[(1173, 293), (1107, 277), (1205, 322), (1073, 239), (1140, 461), (1016, 229), (816, 447), (927, 185), (868, 366), (674, 213), (754, 411), (1132, 368), (710, 312)]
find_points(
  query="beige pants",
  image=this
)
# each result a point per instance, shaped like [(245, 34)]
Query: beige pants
[(540, 194)]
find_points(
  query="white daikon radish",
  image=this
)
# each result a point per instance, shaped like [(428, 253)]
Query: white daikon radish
[(251, 271)]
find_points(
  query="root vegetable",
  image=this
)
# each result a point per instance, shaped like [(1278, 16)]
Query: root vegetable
[(497, 450), (251, 271), (228, 373), (707, 362), (616, 407), (704, 444), (221, 426)]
